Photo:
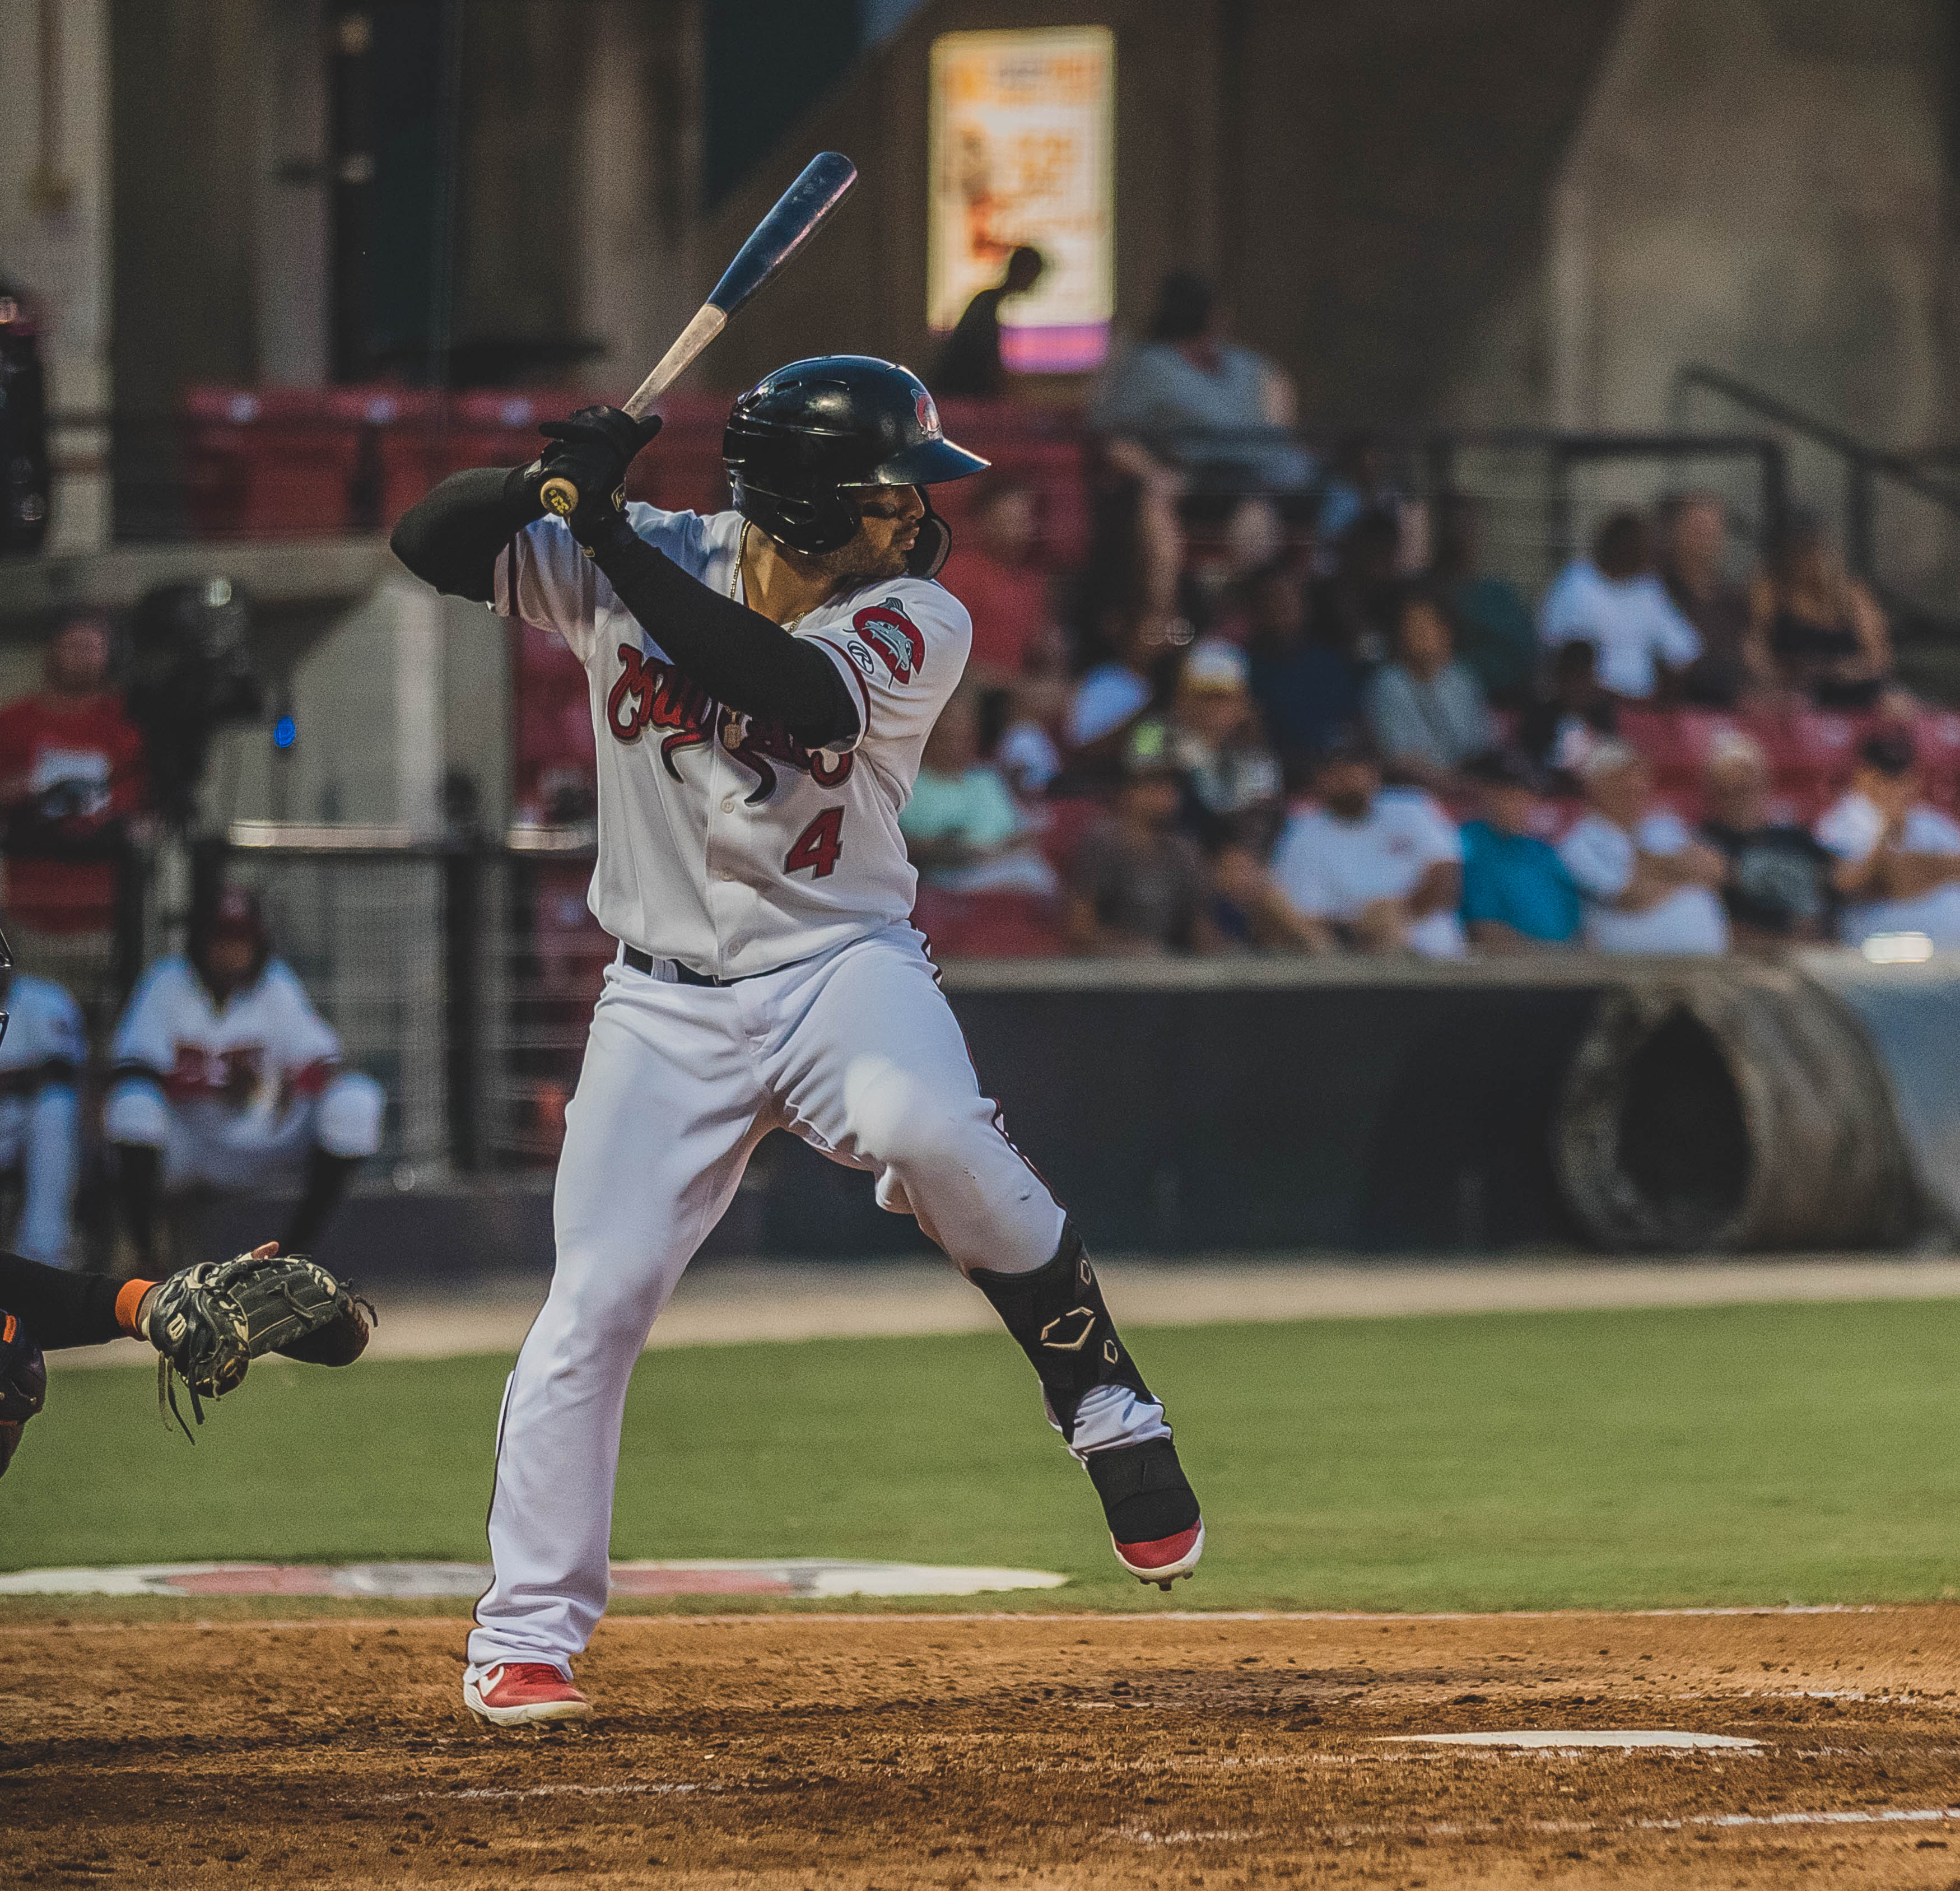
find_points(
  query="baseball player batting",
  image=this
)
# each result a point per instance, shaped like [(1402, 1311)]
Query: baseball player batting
[(762, 681)]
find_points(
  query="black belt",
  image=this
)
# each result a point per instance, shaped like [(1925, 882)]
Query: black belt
[(644, 962)]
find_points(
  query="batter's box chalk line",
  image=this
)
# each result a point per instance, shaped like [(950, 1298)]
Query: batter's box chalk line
[(813, 1577), (1570, 1739)]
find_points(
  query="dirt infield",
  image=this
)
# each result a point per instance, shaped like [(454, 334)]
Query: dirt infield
[(1064, 1751)]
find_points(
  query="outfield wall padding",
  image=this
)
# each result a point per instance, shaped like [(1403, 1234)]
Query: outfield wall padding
[(1181, 1107)]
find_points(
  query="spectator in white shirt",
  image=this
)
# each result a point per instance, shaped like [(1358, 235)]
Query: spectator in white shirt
[(1382, 867), (1615, 601), (1899, 860), (1650, 885)]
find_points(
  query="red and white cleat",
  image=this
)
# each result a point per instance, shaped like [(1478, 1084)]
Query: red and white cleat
[(1150, 1508), (1164, 1560), (519, 1693)]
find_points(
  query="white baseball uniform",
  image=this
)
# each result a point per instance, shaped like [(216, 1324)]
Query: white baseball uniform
[(42, 1055), (727, 846), (235, 1095)]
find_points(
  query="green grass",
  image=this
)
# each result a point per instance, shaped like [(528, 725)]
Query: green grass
[(1745, 1455)]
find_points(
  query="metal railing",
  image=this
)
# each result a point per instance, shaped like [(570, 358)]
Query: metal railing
[(1866, 478), (459, 972)]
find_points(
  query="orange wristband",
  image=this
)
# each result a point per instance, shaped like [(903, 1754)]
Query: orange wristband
[(127, 1299)]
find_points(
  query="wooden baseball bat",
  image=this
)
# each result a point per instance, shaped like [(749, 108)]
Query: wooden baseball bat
[(773, 241)]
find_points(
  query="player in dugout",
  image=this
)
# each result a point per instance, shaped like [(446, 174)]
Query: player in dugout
[(207, 1322), (226, 1077), (762, 682)]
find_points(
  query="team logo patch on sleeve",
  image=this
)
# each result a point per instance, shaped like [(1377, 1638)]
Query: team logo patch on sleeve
[(894, 636)]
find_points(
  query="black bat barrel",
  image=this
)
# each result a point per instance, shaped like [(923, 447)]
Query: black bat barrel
[(801, 208)]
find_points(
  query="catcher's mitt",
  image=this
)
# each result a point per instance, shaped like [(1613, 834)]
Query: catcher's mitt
[(211, 1321), (23, 1385)]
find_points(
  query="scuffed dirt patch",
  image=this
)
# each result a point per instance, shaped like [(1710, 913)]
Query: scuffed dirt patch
[(1053, 1750)]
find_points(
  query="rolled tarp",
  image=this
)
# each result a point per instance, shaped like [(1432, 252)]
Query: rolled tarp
[(1727, 1104)]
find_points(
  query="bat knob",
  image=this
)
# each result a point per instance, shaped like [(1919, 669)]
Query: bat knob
[(560, 496)]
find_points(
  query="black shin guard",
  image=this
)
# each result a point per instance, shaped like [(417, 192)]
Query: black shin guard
[(1057, 1315)]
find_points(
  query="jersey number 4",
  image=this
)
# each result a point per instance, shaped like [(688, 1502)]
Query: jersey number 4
[(818, 845)]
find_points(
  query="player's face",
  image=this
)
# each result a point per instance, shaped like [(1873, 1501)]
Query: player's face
[(888, 529), (230, 959)]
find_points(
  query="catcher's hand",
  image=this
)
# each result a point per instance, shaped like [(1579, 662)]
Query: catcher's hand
[(23, 1385), (211, 1321)]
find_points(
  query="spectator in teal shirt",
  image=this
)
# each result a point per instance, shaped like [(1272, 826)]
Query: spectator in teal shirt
[(1517, 894)]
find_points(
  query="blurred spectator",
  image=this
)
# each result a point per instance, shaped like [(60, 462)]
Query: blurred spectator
[(42, 1059), (1694, 532), (1232, 779), (1614, 601), (970, 364), (1216, 408), (1380, 867), (1814, 627), (1517, 894), (963, 829), (71, 780), (993, 573), (1357, 481), (1899, 859), (226, 1077), (1113, 695), (1137, 886), (1778, 888), (1355, 607), (1026, 754), (1425, 709), (1303, 687), (1136, 549), (1495, 635), (1577, 712), (1648, 883)]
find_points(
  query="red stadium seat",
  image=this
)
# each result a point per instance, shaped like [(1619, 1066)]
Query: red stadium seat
[(265, 463), (1068, 818), (987, 925)]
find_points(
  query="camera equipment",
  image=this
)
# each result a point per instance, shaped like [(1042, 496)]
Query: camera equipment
[(190, 674)]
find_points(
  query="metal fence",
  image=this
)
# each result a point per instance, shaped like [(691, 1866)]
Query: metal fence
[(460, 974)]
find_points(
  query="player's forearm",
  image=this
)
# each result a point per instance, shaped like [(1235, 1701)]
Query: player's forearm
[(60, 1308), (453, 537), (737, 655)]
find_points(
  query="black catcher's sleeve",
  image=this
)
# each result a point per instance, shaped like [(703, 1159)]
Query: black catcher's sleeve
[(58, 1308), (451, 538), (737, 655)]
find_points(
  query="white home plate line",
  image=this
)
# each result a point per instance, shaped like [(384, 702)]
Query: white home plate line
[(1569, 1739), (1580, 1828)]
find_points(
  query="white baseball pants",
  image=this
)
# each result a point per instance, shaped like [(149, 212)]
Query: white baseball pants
[(856, 1051), (204, 1142), (41, 1135)]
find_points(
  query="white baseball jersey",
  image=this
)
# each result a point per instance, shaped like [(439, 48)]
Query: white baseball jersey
[(241, 1070), (43, 1027), (724, 842)]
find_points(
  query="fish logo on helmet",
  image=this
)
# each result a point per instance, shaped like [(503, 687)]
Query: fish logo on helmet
[(801, 435)]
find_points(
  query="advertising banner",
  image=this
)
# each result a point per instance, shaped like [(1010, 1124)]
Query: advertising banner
[(1022, 150)]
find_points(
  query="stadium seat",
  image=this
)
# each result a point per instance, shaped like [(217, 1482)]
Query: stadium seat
[(987, 925), (269, 462), (1069, 817)]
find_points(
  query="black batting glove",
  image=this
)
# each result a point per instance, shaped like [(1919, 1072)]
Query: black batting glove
[(593, 449)]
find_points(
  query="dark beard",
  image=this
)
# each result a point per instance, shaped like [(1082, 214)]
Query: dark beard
[(855, 566)]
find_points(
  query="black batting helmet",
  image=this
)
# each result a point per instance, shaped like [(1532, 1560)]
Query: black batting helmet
[(801, 435)]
